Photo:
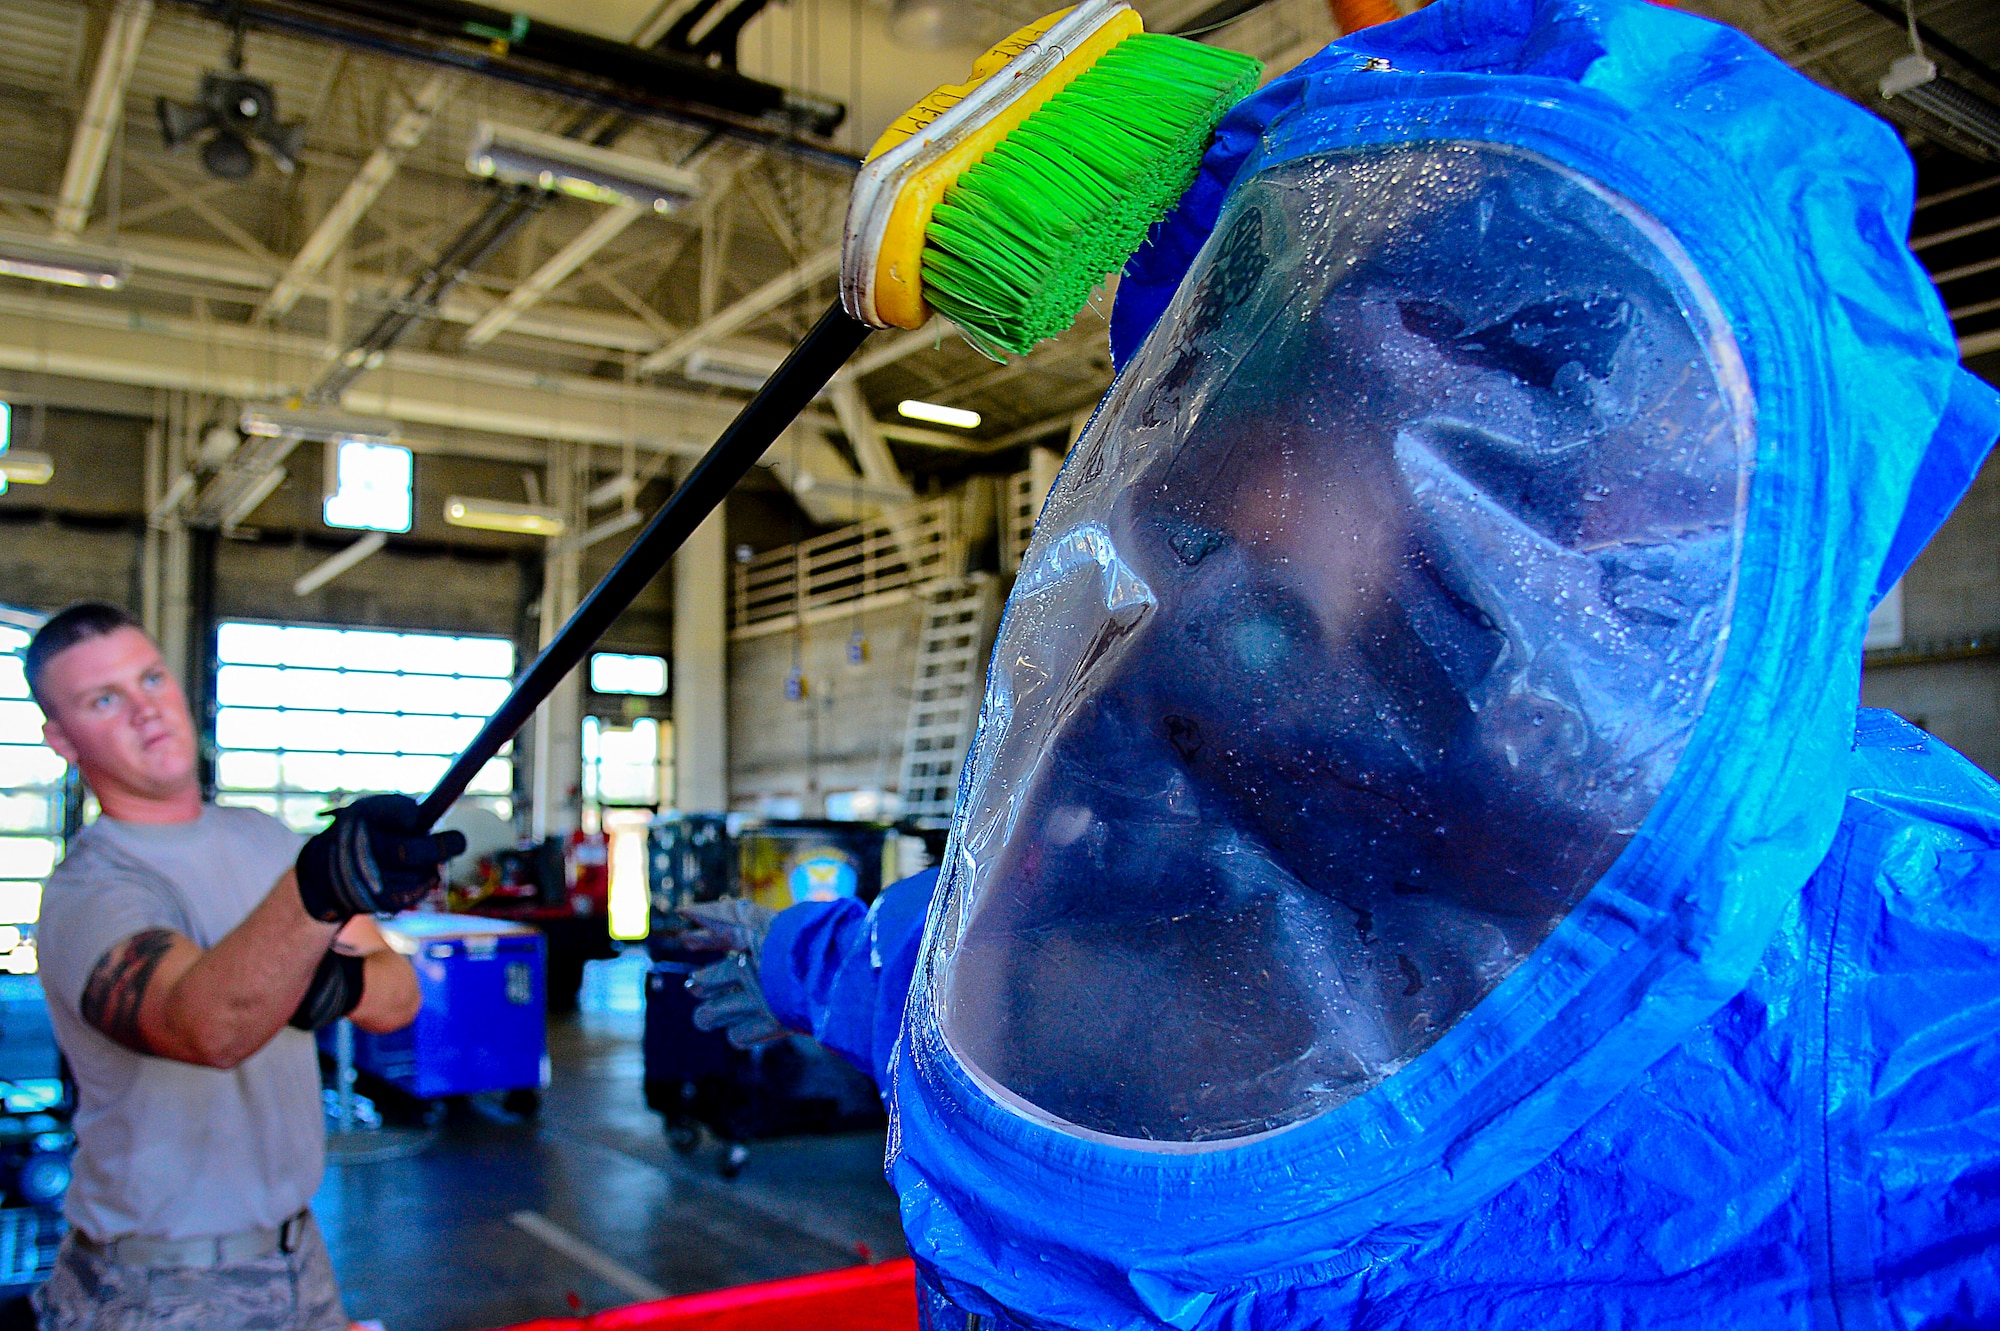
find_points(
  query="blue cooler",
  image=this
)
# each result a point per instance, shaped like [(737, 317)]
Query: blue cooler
[(482, 1026)]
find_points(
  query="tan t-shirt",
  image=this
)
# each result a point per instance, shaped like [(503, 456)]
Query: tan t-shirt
[(169, 1149)]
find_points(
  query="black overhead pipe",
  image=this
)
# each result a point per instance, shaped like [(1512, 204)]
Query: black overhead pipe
[(696, 86)]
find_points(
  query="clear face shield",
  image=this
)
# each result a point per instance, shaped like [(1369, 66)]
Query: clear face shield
[(1360, 636)]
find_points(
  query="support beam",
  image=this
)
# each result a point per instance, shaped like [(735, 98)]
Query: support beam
[(86, 341), (622, 521), (808, 274), (864, 435), (558, 738), (830, 491), (226, 267), (700, 670), (609, 225), (925, 438), (375, 173), (103, 108), (927, 338), (172, 597)]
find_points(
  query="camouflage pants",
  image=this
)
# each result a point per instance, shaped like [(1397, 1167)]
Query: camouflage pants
[(283, 1292)]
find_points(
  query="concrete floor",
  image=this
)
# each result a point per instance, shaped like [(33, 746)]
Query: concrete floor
[(431, 1243)]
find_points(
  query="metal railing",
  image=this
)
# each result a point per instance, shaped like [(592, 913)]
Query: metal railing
[(875, 563)]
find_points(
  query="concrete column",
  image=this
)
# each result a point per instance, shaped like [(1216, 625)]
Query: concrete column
[(163, 563), (700, 670), (558, 756), (149, 546)]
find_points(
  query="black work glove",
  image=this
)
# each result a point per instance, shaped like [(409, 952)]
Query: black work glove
[(334, 992), (377, 857)]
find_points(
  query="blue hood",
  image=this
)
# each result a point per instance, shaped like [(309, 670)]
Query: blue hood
[(1793, 205)]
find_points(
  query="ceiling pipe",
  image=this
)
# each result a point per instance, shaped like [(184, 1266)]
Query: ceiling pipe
[(338, 564), (613, 75)]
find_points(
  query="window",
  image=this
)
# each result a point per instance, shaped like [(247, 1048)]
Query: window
[(622, 766), (308, 718), (614, 672), (371, 487), (863, 806), (628, 894), (31, 808)]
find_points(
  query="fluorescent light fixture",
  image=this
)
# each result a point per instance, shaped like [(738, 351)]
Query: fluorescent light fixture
[(371, 487), (937, 415), (728, 368), (580, 170), (21, 467), (272, 420), (1914, 79), (500, 515), (246, 504), (63, 265), (616, 672), (601, 531), (614, 491)]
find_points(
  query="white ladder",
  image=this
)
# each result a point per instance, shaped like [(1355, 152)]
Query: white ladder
[(954, 633)]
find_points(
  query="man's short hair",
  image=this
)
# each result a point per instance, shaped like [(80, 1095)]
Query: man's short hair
[(65, 629)]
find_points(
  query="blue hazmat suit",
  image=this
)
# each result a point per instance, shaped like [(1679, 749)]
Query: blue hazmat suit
[(1421, 864)]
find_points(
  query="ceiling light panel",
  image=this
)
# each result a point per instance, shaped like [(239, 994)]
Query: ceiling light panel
[(63, 265), (267, 420), (580, 170), (1915, 80), (936, 414), (501, 515)]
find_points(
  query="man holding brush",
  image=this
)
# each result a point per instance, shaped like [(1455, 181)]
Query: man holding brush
[(188, 952)]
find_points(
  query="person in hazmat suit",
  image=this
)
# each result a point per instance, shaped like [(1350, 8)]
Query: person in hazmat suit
[(1420, 864)]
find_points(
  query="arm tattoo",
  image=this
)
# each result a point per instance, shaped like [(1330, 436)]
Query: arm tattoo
[(117, 986)]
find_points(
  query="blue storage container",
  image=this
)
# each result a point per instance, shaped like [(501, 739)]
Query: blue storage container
[(482, 1026)]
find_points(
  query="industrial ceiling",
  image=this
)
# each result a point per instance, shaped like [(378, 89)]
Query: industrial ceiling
[(380, 272)]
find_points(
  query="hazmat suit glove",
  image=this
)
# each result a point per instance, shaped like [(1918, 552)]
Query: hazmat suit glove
[(377, 857), (729, 994)]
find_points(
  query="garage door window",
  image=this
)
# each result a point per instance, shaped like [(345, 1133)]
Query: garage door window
[(31, 808), (308, 717)]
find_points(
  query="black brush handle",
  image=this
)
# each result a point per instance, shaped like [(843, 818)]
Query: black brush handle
[(789, 391)]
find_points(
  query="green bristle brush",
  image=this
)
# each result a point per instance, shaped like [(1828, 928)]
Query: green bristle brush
[(999, 203)]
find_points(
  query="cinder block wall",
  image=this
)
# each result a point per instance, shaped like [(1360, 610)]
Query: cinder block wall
[(845, 734)]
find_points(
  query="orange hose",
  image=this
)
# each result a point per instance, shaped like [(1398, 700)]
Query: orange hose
[(1352, 15)]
